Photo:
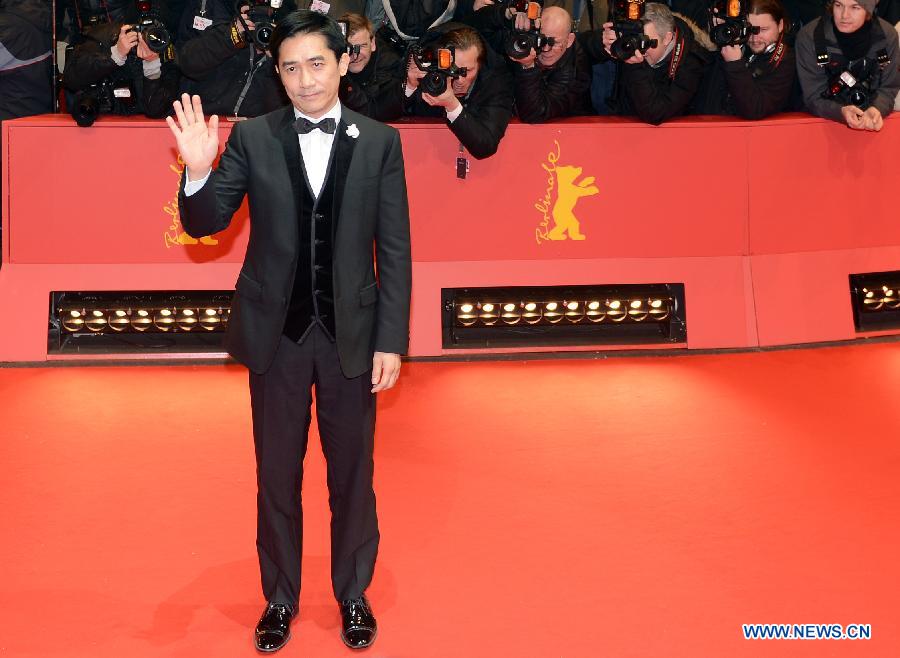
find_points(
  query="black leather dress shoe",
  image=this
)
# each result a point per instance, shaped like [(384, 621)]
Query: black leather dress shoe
[(358, 627), (274, 627)]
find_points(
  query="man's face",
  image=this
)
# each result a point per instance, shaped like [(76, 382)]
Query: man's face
[(467, 59), (849, 15), (769, 32), (366, 43), (563, 38), (310, 73), (653, 55)]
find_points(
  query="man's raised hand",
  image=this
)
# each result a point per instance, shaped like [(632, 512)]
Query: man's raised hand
[(198, 142)]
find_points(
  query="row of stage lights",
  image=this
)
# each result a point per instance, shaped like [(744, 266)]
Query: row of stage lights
[(883, 298), (488, 313), (97, 320)]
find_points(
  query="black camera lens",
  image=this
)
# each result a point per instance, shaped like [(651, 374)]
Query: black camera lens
[(86, 110), (859, 98), (434, 83), (157, 38)]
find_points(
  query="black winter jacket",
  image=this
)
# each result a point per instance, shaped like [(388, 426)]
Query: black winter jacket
[(225, 69), (753, 87), (25, 77), (561, 90), (90, 62), (657, 94), (377, 90)]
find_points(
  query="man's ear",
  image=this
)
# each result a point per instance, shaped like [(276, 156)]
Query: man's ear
[(343, 63), (668, 39), (570, 40)]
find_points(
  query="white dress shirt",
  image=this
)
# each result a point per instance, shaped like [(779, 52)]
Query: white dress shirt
[(315, 149)]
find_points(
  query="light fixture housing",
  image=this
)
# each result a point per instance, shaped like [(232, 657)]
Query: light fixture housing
[(563, 315)]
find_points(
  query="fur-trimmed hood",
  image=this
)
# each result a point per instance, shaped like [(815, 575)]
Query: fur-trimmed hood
[(700, 35)]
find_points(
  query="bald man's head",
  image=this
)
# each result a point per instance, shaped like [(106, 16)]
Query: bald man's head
[(556, 23)]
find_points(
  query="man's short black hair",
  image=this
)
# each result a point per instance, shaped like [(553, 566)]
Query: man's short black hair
[(304, 21)]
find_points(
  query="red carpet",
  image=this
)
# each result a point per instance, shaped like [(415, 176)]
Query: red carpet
[(622, 507)]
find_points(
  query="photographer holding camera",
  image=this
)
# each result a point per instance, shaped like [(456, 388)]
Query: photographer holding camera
[(661, 66), (223, 55), (473, 90), (847, 65), (552, 75), (373, 83), (121, 67), (755, 74)]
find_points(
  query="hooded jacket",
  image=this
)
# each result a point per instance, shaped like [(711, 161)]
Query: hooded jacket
[(656, 94)]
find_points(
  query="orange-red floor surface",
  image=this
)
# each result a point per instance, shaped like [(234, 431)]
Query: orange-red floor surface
[(597, 508)]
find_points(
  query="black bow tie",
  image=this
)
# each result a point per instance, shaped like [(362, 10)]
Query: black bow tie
[(304, 126)]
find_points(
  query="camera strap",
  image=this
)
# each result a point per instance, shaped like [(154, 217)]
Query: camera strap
[(778, 53), (822, 56), (677, 54)]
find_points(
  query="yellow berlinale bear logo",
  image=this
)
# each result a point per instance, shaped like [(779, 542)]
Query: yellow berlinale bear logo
[(175, 235), (559, 221)]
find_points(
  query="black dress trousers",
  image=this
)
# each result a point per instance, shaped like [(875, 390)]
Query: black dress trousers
[(281, 400)]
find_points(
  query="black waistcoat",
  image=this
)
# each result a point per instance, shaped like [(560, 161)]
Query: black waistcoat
[(312, 298)]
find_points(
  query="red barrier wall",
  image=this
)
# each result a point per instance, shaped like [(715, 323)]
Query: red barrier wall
[(761, 221)]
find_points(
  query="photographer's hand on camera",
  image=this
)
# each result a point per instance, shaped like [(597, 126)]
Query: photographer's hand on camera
[(609, 37), (446, 100), (244, 20), (126, 42), (198, 143), (413, 75), (732, 53), (144, 52), (526, 62)]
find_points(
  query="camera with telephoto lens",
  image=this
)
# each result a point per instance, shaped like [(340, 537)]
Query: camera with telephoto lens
[(262, 14), (149, 25), (735, 29), (519, 43), (849, 89), (439, 65), (104, 97), (629, 29)]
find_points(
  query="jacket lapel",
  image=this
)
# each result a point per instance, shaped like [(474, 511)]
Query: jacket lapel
[(343, 156), (290, 146)]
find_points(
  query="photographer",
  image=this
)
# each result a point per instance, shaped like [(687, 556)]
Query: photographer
[(847, 65), (555, 82), (116, 66), (221, 60), (373, 83), (755, 79), (477, 105), (660, 82), (25, 61)]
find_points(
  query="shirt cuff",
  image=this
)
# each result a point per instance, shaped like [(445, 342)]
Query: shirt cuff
[(191, 186), (452, 116), (116, 57), (152, 68)]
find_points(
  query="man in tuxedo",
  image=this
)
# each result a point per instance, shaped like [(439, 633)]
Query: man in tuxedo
[(324, 184)]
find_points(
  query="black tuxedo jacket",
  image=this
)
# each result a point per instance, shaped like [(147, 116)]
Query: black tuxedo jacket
[(262, 161)]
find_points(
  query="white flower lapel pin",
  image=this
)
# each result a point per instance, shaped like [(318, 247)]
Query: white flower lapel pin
[(352, 131)]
